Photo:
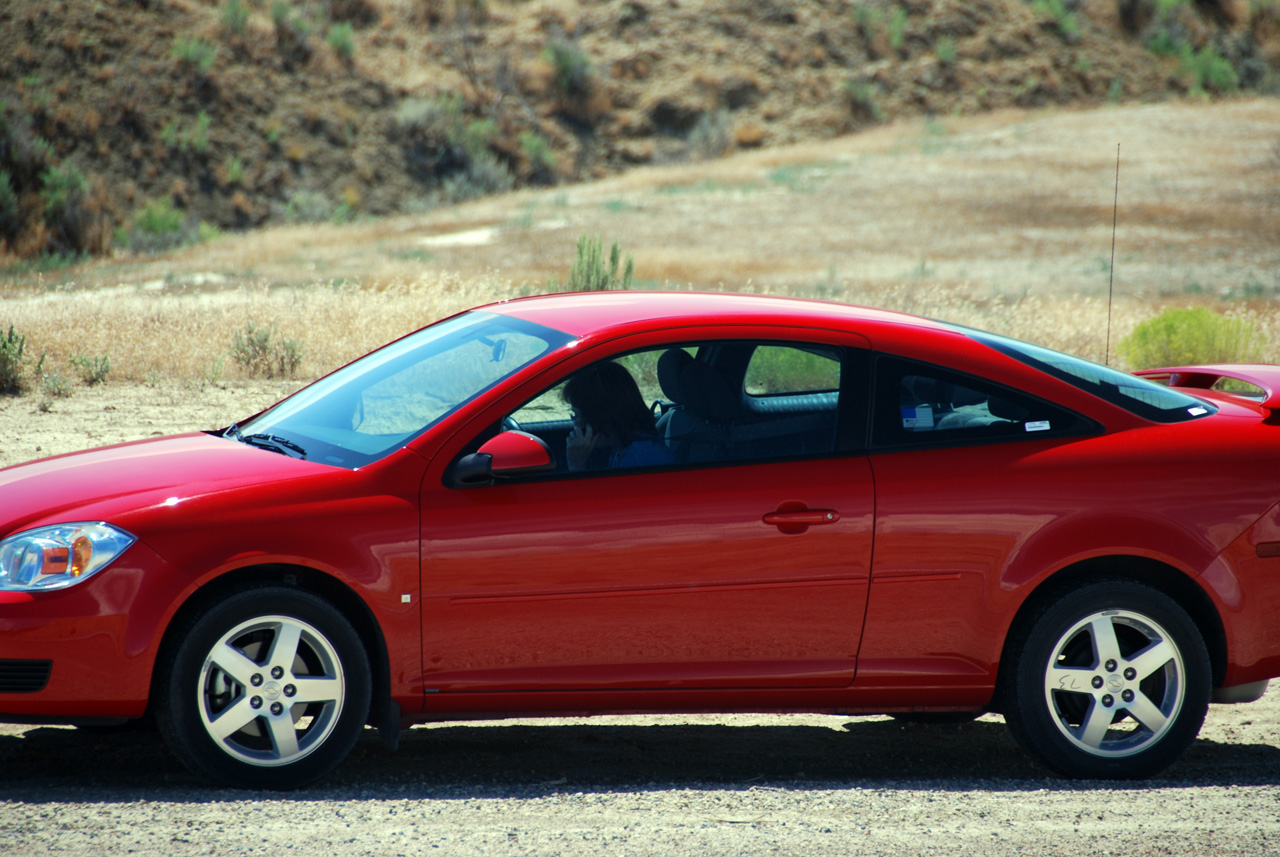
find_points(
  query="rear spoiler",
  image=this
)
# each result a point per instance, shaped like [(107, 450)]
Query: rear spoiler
[(1261, 375)]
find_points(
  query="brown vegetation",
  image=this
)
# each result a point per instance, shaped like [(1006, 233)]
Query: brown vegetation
[(247, 112)]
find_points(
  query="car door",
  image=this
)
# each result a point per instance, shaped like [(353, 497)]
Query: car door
[(746, 568)]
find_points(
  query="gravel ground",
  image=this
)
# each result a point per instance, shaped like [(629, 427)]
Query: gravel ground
[(704, 785)]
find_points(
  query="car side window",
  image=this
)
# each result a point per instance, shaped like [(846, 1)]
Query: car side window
[(711, 403), (921, 404)]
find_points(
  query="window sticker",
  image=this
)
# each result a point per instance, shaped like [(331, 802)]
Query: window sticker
[(1197, 411), (920, 418), (1038, 425)]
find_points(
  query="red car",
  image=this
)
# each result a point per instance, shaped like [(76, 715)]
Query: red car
[(814, 507)]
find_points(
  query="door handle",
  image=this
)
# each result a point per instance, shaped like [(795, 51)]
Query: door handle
[(792, 517)]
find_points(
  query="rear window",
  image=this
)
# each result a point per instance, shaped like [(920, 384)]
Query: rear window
[(1136, 395)]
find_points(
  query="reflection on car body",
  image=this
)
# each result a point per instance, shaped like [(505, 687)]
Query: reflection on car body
[(846, 510)]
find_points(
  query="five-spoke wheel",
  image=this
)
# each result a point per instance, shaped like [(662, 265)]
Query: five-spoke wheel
[(269, 689), (1111, 680)]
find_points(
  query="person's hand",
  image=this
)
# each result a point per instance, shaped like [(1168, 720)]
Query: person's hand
[(578, 446)]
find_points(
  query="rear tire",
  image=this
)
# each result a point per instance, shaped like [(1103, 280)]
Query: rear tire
[(1110, 681), (269, 688)]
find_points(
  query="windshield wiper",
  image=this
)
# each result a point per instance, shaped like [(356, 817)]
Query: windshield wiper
[(266, 441)]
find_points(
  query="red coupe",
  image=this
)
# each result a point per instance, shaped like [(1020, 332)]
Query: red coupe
[(627, 502)]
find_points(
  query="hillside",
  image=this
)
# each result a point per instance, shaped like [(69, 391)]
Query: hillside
[(141, 124)]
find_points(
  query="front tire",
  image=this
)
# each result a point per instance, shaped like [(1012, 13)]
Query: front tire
[(1111, 681), (269, 688)]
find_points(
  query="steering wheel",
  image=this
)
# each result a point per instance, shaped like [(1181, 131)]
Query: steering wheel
[(509, 423)]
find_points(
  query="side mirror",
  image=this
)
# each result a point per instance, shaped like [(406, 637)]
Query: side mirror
[(512, 453)]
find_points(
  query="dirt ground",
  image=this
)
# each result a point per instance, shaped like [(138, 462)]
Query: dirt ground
[(692, 785)]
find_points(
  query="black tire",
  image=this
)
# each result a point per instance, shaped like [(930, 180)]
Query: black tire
[(298, 711), (1110, 681)]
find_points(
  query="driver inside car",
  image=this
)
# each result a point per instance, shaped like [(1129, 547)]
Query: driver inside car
[(609, 412)]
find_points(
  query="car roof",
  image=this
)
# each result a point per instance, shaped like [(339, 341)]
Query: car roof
[(583, 314)]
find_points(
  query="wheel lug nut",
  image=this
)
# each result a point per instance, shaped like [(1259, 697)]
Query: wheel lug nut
[(1127, 696), (276, 708), (290, 690), (277, 672), (1130, 674), (1111, 666), (1097, 681), (1108, 701), (255, 680), (255, 702)]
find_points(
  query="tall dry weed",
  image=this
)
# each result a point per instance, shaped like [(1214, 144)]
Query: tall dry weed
[(152, 334)]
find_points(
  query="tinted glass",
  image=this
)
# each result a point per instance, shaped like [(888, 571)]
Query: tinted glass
[(917, 403), (1136, 395), (712, 402)]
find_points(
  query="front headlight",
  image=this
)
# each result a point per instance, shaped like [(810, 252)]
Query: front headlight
[(59, 556)]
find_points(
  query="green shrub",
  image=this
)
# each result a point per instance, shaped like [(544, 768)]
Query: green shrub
[(293, 33), (1066, 23), (1179, 337), (62, 189), (477, 135), (484, 175), (263, 354), (235, 17), (12, 357), (93, 370), (8, 202), (194, 137), (537, 151), (342, 38), (54, 385), (195, 53), (589, 273), (233, 167), (1209, 70), (158, 217), (898, 29), (945, 50), (571, 67), (159, 226), (863, 99)]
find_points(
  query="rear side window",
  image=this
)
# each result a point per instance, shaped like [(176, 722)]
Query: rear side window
[(784, 369), (1136, 395), (921, 404)]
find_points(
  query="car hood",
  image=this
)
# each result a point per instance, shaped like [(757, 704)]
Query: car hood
[(97, 483)]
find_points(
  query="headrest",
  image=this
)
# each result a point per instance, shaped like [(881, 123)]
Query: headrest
[(671, 366)]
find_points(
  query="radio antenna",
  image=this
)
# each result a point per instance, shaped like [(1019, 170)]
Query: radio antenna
[(1111, 282)]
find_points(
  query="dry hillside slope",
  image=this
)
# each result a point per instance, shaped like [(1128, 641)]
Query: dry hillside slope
[(136, 124)]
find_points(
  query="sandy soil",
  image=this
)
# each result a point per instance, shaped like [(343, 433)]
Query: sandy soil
[(115, 413), (706, 785)]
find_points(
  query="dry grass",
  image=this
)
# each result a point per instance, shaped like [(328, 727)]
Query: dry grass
[(152, 335), (186, 338), (1001, 222)]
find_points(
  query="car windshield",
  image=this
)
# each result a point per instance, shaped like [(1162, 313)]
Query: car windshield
[(385, 399), (1136, 395)]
